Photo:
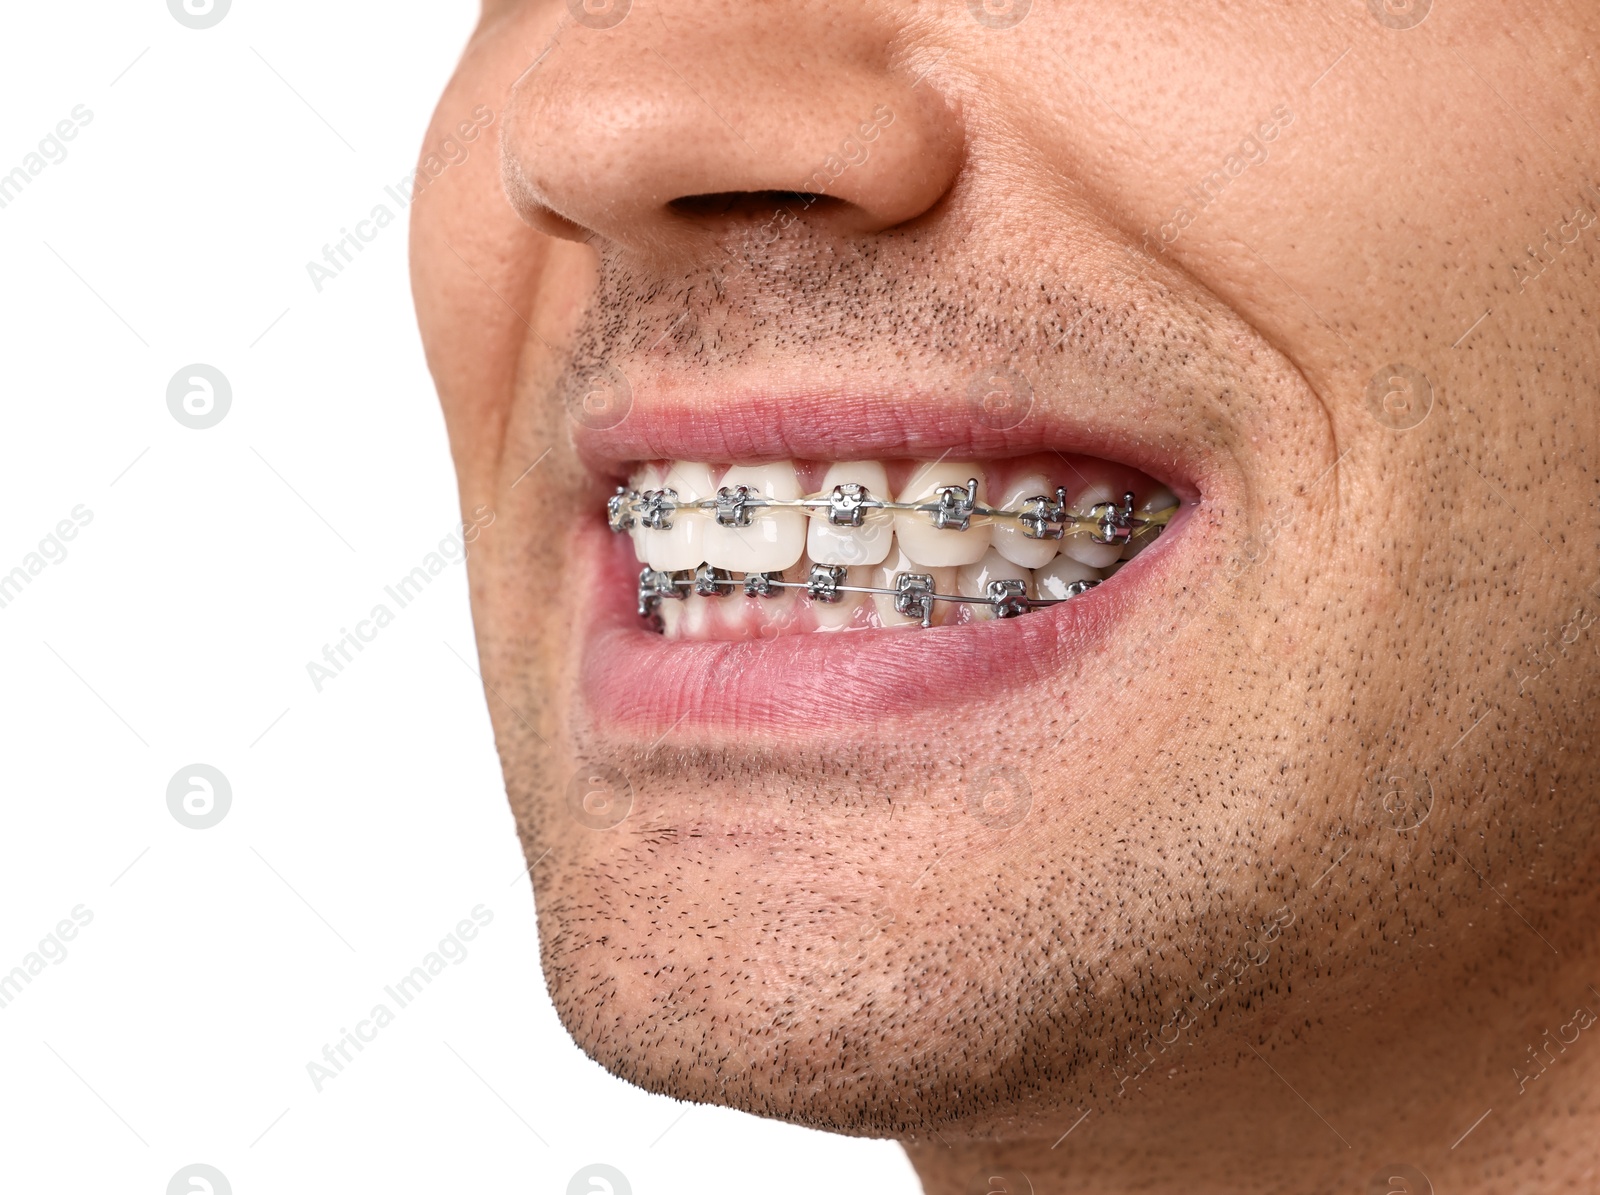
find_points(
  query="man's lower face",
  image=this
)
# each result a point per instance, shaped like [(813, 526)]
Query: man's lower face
[(1222, 769)]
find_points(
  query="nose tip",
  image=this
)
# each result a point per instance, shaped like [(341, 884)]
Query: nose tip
[(650, 139)]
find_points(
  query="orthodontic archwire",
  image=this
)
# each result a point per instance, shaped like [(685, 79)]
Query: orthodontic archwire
[(952, 508)]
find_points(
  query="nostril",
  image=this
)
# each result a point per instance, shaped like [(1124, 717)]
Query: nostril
[(749, 205)]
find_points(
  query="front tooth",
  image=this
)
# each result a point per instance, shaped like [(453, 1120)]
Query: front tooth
[(697, 615), (831, 616), (775, 538), (1009, 539), (866, 544), (1052, 580), (671, 619), (683, 544), (973, 580), (1077, 544), (1161, 499), (648, 478), (883, 576), (940, 547)]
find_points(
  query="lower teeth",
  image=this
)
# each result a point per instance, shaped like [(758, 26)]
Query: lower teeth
[(913, 593)]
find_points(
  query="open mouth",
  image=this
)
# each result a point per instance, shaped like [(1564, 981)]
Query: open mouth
[(752, 551), (815, 564)]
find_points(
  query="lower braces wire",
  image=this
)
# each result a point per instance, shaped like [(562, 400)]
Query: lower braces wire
[(951, 508), (913, 592)]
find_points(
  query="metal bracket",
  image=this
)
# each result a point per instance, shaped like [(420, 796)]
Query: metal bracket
[(760, 585), (1116, 522), (1008, 597), (619, 510), (953, 505), (655, 584), (710, 581), (823, 583), (913, 596), (656, 508), (1043, 517), (845, 504), (733, 506)]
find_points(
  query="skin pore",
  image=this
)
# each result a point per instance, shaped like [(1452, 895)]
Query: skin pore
[(1302, 881)]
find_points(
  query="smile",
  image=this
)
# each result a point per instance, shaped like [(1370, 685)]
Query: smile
[(747, 552), (741, 578)]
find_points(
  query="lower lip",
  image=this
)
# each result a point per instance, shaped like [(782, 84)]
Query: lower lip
[(638, 682)]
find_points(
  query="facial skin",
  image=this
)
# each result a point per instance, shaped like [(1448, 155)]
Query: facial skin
[(1303, 879)]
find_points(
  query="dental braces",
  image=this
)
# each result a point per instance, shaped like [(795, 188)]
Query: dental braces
[(952, 507), (913, 592)]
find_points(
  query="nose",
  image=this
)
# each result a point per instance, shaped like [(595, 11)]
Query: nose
[(661, 132)]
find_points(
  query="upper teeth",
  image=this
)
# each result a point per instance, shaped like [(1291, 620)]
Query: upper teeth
[(755, 518), (937, 544)]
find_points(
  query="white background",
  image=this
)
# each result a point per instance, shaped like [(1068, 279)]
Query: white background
[(367, 819)]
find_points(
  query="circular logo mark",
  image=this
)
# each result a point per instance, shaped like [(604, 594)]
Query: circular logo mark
[(990, 1181), (599, 797), (199, 396), (599, 1179), (599, 14), (1000, 797), (1406, 797), (873, 924), (1399, 397), (999, 14), (199, 14), (1399, 1180), (198, 1178), (199, 797), (999, 398), (602, 400), (1400, 14)]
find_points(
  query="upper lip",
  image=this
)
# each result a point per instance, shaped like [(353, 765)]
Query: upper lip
[(753, 425)]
